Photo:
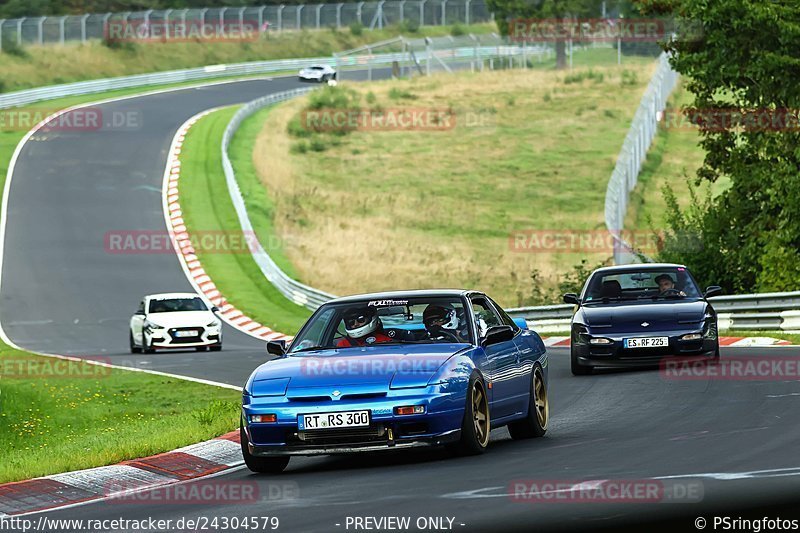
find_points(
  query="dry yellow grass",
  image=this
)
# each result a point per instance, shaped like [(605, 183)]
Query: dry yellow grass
[(412, 209)]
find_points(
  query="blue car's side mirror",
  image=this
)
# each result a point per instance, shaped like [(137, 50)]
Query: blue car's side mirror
[(277, 348), (521, 322)]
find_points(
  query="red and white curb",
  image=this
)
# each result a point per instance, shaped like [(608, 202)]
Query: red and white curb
[(197, 276), (115, 481), (559, 342)]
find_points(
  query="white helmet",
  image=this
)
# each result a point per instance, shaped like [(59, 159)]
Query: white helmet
[(441, 316), (360, 322)]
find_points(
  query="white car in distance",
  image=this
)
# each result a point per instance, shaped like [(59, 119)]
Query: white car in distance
[(173, 321), (318, 73)]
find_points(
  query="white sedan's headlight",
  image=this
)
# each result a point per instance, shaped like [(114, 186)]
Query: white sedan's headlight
[(214, 324), (151, 325)]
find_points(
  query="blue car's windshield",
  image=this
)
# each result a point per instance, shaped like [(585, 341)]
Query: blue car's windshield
[(673, 283), (396, 321)]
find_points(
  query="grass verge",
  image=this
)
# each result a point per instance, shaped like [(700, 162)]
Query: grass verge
[(531, 150), (57, 416), (207, 207)]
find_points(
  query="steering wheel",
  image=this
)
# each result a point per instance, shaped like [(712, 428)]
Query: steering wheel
[(670, 292), (448, 335)]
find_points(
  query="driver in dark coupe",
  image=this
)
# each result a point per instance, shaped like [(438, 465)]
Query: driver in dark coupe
[(441, 322), (665, 284), (363, 328)]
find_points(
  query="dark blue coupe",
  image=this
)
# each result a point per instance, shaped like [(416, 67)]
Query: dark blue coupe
[(635, 315), (396, 370)]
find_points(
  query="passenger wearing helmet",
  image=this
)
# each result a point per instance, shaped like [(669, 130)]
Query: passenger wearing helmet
[(363, 328), (442, 323)]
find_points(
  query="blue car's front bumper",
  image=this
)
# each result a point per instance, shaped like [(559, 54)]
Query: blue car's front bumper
[(439, 424)]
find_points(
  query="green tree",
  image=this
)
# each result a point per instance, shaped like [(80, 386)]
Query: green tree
[(744, 63), (507, 11)]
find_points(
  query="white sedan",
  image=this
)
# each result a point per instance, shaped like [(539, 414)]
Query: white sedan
[(318, 73), (175, 320)]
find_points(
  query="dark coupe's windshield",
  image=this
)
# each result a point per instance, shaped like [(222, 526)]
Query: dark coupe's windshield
[(640, 284), (394, 321)]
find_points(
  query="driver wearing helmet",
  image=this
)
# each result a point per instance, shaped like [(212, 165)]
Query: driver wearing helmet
[(441, 322), (363, 328)]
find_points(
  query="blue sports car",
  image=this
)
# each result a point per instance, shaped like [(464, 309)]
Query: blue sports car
[(396, 370), (635, 315)]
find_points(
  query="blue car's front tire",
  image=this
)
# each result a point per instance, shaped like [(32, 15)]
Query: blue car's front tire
[(476, 424), (261, 465)]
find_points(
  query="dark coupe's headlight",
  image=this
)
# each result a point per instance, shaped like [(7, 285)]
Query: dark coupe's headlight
[(601, 341)]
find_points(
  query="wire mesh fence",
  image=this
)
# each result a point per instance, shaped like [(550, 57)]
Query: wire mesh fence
[(272, 18)]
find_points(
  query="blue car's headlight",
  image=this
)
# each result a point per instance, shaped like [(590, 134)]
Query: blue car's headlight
[(269, 387)]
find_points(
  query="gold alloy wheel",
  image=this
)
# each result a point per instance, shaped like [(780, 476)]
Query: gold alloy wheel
[(480, 413), (540, 398)]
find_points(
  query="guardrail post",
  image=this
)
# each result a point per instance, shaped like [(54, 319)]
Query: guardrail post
[(241, 17), (203, 17), (466, 11), (183, 17), (422, 12), (83, 28), (2, 21), (40, 30), (358, 12), (444, 13), (106, 17), (369, 63), (167, 13), (261, 17), (319, 8), (147, 17), (402, 10), (339, 15), (19, 31), (62, 29), (222, 16), (428, 56), (298, 12), (280, 17)]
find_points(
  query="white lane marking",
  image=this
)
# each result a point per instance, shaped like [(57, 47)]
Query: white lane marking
[(752, 474), (783, 395), (482, 492), (7, 188)]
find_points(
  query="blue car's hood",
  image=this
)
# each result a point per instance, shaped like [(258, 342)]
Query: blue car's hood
[(663, 314), (380, 366)]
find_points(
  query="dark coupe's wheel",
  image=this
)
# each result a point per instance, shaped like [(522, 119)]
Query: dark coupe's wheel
[(134, 348), (577, 368), (535, 424), (261, 465), (476, 424)]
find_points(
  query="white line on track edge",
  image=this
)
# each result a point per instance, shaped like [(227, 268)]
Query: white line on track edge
[(4, 217)]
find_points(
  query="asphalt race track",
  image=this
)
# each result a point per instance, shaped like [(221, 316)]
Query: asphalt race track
[(732, 442)]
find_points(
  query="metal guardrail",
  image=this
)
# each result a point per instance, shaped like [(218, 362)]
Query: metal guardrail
[(631, 157), (272, 18), (29, 96), (767, 311), (293, 290)]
